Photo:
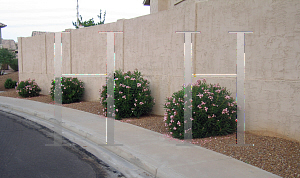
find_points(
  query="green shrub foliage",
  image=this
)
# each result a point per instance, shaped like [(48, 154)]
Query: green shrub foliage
[(213, 111), (28, 88), (72, 90), (132, 95), (14, 64), (9, 83)]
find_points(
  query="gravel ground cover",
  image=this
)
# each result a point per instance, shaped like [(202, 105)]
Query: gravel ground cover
[(276, 155)]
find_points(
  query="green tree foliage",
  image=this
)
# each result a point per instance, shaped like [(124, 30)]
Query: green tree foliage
[(90, 22), (6, 56)]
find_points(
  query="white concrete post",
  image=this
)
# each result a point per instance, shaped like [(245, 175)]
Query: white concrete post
[(187, 81)]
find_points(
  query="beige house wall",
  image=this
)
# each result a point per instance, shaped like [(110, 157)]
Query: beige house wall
[(150, 44), (9, 44)]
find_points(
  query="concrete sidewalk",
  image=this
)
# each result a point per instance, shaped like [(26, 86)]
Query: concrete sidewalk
[(150, 151)]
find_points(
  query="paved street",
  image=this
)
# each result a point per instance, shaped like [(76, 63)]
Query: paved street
[(23, 153)]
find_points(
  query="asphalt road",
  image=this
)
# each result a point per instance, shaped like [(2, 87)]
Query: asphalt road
[(23, 153)]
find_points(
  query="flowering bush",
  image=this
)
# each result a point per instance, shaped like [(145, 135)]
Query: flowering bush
[(28, 88), (9, 83), (132, 96), (72, 90), (213, 112)]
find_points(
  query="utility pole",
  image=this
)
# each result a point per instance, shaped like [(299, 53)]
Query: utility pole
[(1, 26), (77, 14)]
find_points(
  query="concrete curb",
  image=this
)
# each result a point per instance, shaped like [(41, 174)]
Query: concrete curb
[(88, 137), (124, 152), (157, 155)]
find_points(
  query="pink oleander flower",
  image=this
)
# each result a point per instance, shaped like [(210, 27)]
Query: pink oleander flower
[(117, 110), (178, 123), (200, 95), (141, 103), (214, 115), (128, 87), (225, 111), (165, 118), (116, 79), (171, 121), (218, 91), (171, 116), (227, 97), (199, 106), (191, 119), (174, 128), (209, 116), (205, 109), (126, 77), (139, 84), (132, 79), (120, 92), (203, 103), (124, 96), (134, 104)]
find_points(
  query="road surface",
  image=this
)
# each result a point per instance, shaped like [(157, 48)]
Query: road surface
[(23, 153)]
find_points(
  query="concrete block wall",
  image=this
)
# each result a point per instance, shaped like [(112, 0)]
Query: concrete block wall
[(150, 44)]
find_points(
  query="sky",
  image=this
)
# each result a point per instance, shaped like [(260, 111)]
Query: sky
[(24, 16)]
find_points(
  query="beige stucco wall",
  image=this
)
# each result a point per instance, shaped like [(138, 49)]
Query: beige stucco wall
[(150, 44), (9, 44)]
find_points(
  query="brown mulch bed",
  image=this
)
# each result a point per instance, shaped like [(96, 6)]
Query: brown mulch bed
[(276, 155)]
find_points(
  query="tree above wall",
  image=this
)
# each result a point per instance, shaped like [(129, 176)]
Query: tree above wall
[(7, 57), (89, 22)]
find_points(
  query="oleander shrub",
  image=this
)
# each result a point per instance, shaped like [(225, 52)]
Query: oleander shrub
[(28, 88), (72, 90), (9, 83), (213, 111), (132, 95)]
